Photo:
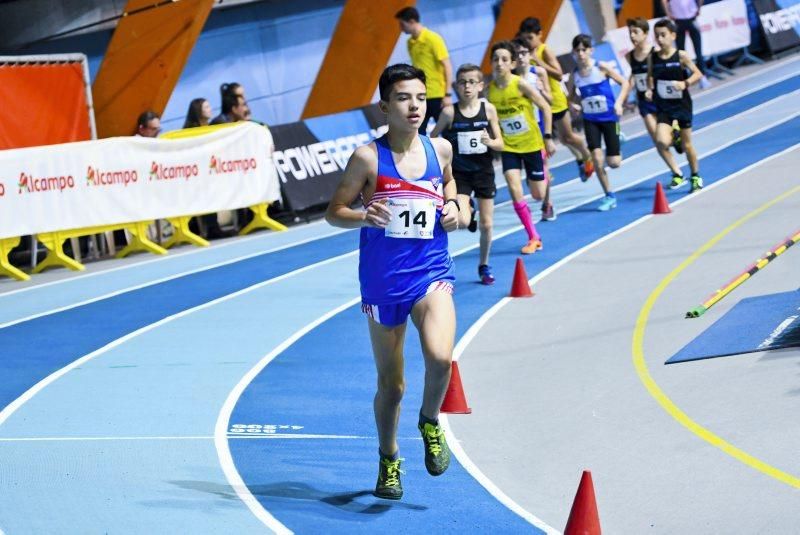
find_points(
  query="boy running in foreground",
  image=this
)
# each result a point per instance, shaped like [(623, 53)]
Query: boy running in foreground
[(406, 184)]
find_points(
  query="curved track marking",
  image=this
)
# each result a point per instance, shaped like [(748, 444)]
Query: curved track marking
[(475, 328), (12, 407), (652, 387), (238, 241)]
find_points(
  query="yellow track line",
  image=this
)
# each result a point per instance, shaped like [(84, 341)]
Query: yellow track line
[(659, 395)]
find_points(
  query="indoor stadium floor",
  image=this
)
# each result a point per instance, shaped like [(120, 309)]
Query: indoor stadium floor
[(230, 388)]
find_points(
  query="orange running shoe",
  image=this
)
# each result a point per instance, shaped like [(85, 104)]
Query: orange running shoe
[(532, 246), (588, 168)]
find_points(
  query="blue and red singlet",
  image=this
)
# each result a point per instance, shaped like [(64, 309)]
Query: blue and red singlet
[(401, 264)]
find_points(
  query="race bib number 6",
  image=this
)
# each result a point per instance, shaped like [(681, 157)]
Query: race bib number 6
[(667, 90), (470, 143), (513, 126), (411, 218)]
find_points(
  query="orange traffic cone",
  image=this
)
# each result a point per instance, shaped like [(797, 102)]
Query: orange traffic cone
[(520, 286), (454, 400), (583, 518), (660, 204)]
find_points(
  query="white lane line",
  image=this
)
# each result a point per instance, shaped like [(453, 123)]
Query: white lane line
[(220, 436), (514, 229), (17, 403), (716, 88), (307, 240), (198, 250), (472, 332), (242, 240), (156, 281), (223, 420), (235, 436)]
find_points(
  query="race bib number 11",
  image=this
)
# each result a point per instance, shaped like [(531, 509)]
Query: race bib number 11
[(411, 218)]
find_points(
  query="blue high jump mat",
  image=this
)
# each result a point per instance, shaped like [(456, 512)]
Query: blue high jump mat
[(754, 324)]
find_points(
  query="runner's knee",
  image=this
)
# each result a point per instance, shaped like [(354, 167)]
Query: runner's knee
[(391, 389)]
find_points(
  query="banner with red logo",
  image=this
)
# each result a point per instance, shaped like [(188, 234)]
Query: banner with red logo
[(127, 179), (723, 27)]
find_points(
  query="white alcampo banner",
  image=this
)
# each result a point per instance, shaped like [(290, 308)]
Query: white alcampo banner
[(127, 179), (723, 27)]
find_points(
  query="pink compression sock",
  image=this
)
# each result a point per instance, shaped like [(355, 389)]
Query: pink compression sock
[(524, 214)]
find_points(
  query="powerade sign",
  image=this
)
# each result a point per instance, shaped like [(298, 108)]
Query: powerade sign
[(311, 155), (780, 20)]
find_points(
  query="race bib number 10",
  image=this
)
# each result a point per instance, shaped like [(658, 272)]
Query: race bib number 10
[(411, 218), (514, 125)]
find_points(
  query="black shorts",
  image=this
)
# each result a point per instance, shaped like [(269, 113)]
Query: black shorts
[(481, 182), (532, 162), (607, 131), (684, 117), (559, 115)]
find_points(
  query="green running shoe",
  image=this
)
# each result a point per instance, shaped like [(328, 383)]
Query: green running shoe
[(677, 181), (697, 183), (676, 139), (437, 454), (389, 486)]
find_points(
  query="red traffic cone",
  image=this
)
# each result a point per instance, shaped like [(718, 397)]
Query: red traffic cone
[(660, 204), (454, 400), (583, 518), (520, 286)]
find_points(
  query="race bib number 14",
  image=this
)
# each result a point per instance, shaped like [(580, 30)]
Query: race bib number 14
[(411, 218)]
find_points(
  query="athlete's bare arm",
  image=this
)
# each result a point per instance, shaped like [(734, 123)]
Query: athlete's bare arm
[(548, 95), (547, 113), (606, 69), (451, 217), (360, 176), (493, 139), (551, 64), (689, 64), (444, 122), (623, 94)]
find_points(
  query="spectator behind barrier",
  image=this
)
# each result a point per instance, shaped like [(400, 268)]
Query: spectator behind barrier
[(234, 108), (199, 113), (148, 124)]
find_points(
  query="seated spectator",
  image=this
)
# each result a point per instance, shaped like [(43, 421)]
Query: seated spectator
[(234, 108), (148, 124), (199, 113)]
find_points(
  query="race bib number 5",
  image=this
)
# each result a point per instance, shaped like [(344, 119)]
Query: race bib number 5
[(470, 143), (514, 125), (411, 218), (667, 90)]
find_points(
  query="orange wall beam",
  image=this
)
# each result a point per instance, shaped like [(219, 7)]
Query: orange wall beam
[(144, 61), (635, 8), (512, 13), (359, 50)]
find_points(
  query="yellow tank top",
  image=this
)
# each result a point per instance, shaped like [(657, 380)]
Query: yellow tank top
[(518, 124), (556, 88)]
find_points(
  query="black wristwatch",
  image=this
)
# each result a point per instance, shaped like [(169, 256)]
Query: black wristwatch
[(454, 201), (548, 136), (448, 94)]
